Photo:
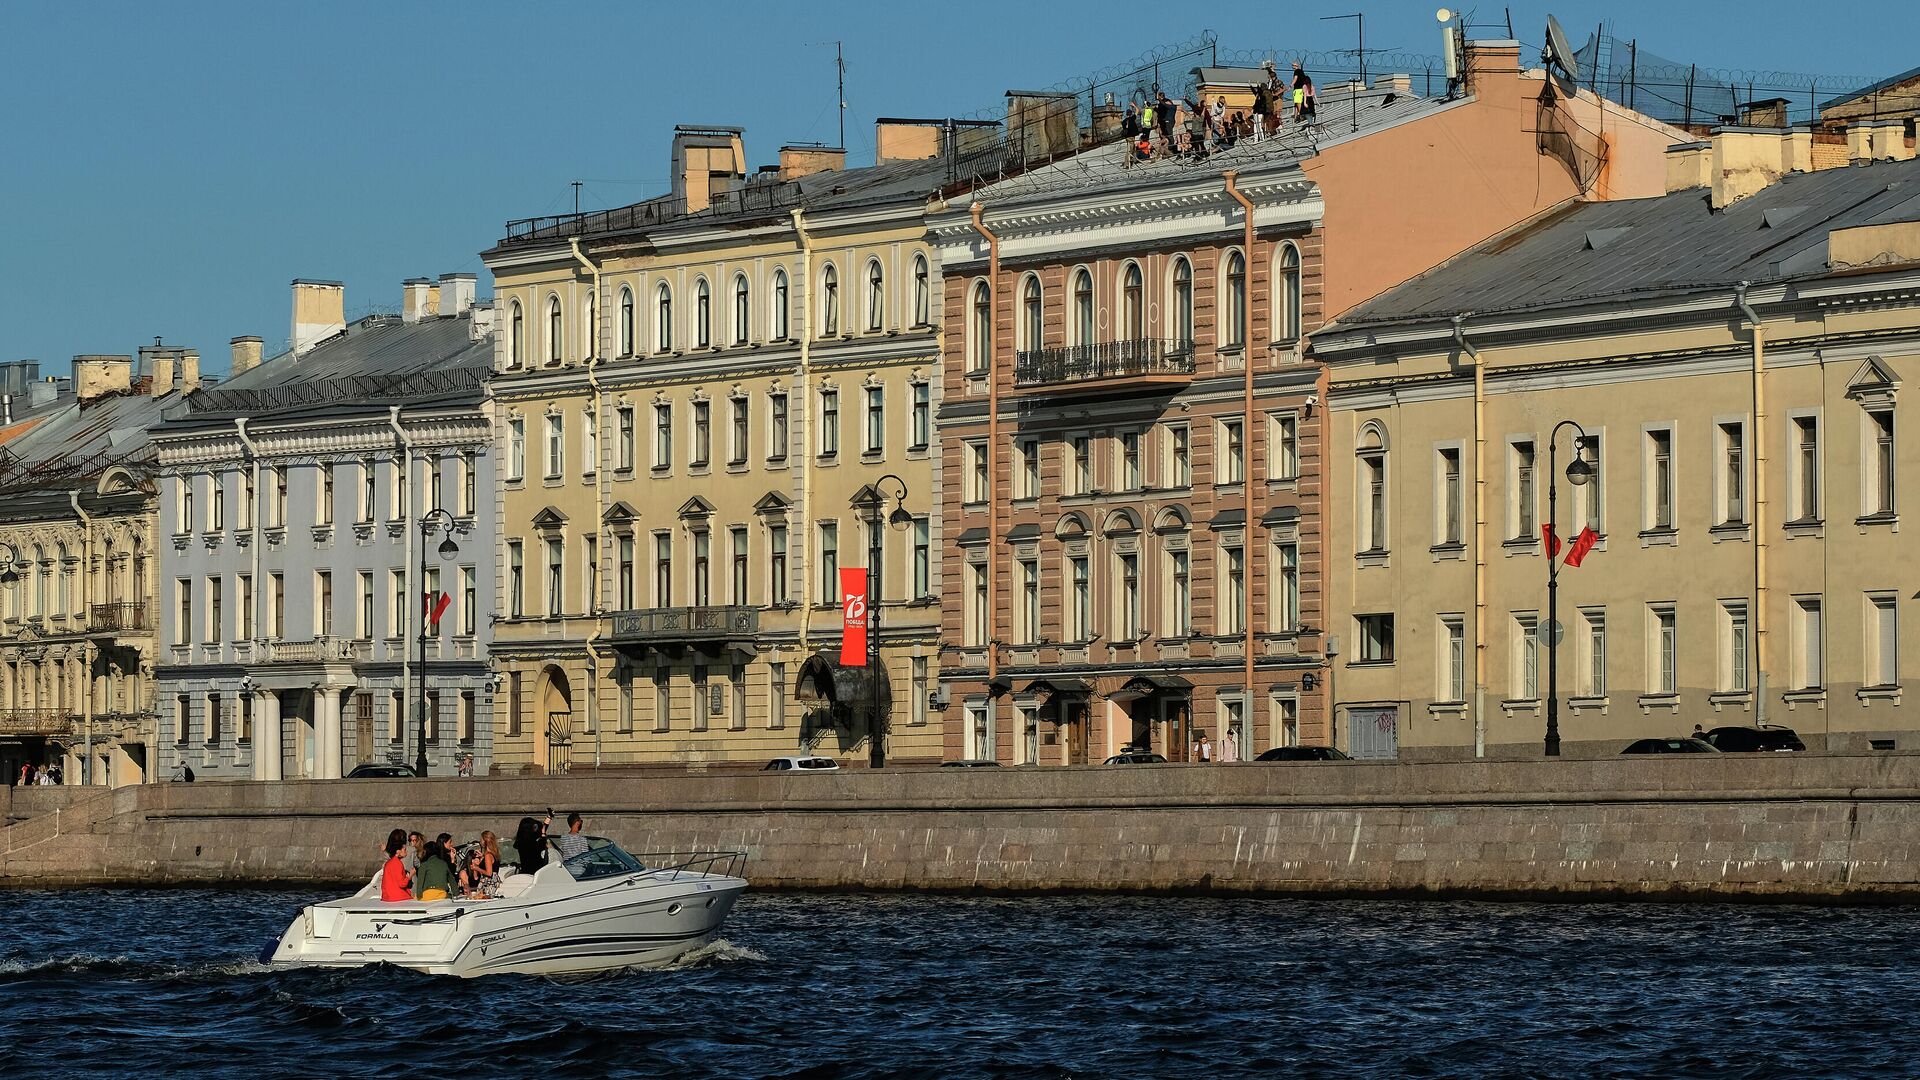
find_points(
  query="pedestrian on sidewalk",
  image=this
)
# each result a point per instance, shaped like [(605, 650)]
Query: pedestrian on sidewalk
[(1202, 748), (1230, 744)]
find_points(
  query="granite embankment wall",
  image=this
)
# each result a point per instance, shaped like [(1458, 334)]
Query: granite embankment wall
[(1781, 826)]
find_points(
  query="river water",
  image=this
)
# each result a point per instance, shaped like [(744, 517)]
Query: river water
[(870, 986)]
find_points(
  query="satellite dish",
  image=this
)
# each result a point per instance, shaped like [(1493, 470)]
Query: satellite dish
[(1558, 53), (1445, 15)]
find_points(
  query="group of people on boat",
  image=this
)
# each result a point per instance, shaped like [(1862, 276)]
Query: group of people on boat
[(420, 869)]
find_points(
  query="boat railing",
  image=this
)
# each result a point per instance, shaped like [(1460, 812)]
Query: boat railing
[(675, 863)]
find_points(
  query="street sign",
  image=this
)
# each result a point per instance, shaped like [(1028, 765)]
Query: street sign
[(1553, 631)]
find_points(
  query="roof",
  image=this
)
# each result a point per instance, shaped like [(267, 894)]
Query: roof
[(74, 446), (375, 363), (1593, 251), (1887, 83)]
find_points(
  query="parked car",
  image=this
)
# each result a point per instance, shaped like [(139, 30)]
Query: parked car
[(1303, 753), (1136, 757), (1742, 740), (369, 770), (802, 764), (1684, 745), (970, 763)]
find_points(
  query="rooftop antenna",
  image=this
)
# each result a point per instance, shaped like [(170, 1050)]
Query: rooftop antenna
[(1558, 54), (1360, 51), (840, 69), (576, 196), (1450, 49)]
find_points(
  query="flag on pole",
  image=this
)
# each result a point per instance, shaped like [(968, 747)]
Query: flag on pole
[(434, 605), (1581, 545), (853, 616), (1549, 541)]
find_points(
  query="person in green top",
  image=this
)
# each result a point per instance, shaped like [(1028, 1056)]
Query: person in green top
[(434, 879)]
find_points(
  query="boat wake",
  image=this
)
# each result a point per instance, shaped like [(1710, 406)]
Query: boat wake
[(124, 967), (713, 954)]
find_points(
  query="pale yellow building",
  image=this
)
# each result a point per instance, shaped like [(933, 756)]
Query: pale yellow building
[(693, 395), (1735, 357)]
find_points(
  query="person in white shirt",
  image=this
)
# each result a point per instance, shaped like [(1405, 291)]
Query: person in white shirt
[(1202, 749), (1230, 745)]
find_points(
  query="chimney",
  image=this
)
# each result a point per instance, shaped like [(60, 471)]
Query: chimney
[(1398, 83), (1497, 57), (1106, 121), (415, 300), (96, 375), (456, 293), (707, 161), (159, 364), (1765, 113), (897, 139), (1888, 139), (319, 312), (1689, 166), (189, 374), (18, 376), (1042, 124), (1860, 140), (1747, 160), (246, 355), (799, 161), (480, 327)]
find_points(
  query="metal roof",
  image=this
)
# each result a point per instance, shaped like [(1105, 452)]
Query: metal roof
[(1674, 243), (76, 444)]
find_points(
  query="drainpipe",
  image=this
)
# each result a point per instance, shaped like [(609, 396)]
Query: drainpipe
[(1760, 444), (599, 505), (804, 387), (413, 587), (1479, 534), (266, 760), (993, 446), (1246, 447), (86, 695)]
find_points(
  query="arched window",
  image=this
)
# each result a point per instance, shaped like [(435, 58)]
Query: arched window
[(702, 314), (1032, 323), (1183, 301), (980, 337), (1082, 308), (876, 295), (742, 309), (663, 325), (829, 301), (1235, 331), (1371, 476), (516, 336), (922, 292), (1133, 306), (590, 327), (779, 305), (554, 320), (1289, 293), (626, 321)]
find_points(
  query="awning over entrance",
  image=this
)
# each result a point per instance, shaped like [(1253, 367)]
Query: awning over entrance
[(1143, 685), (1059, 686), (823, 680)]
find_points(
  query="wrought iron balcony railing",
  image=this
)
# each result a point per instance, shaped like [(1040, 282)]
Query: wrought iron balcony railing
[(54, 722), (1132, 358), (131, 616), (667, 625)]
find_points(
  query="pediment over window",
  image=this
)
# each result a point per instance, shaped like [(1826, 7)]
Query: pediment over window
[(549, 518), (620, 514), (772, 503), (696, 507), (1874, 384)]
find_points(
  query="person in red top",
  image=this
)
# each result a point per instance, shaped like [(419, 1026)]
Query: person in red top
[(394, 883)]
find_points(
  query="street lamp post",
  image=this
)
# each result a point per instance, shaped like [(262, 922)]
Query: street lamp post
[(1578, 474), (434, 521), (875, 499)]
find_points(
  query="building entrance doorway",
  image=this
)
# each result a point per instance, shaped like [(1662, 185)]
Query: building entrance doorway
[(556, 706), (1073, 718)]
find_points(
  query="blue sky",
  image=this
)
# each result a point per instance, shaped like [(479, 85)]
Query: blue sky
[(167, 169)]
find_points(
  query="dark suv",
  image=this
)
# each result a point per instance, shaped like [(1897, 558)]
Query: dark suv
[(1303, 753), (1742, 740), (1683, 745)]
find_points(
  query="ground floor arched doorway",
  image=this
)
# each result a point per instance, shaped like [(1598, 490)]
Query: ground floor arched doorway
[(555, 702)]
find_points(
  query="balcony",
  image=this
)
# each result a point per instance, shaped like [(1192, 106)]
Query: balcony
[(317, 651), (108, 618), (55, 723), (1107, 365), (685, 625)]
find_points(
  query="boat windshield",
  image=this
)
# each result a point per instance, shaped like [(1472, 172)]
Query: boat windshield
[(602, 858)]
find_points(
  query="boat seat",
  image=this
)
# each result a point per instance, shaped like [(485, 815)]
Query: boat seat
[(514, 885)]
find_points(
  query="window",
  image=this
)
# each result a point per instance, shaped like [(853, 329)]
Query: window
[(922, 416), (1526, 656), (589, 574), (1179, 610), (1027, 469), (277, 604), (702, 568), (1029, 629), (1523, 510), (779, 310), (663, 569), (738, 444), (829, 422), (1596, 651), (516, 579), (777, 564), (1133, 305), (624, 573), (1286, 584), (702, 314), (663, 319), (922, 292), (469, 462), (975, 627), (1808, 645), (516, 336), (737, 540), (469, 600), (280, 496), (974, 477), (1179, 456), (777, 427), (1879, 471), (1026, 747), (1373, 500), (663, 434), (1452, 687), (662, 699), (1233, 464), (917, 713), (554, 335), (1289, 321), (1664, 668), (397, 716), (1032, 322), (1733, 486), (1588, 498), (776, 696), (1283, 456), (626, 321), (1659, 480), (1083, 325), (876, 296), (702, 704), (876, 420), (184, 511), (322, 603), (1233, 592), (432, 464), (742, 309), (1805, 468), (589, 445), (466, 719), (217, 500), (1375, 634), (829, 301), (980, 331), (590, 327), (702, 434), (1082, 450), (830, 563), (1451, 495), (216, 629), (1126, 613), (1080, 612), (1182, 302), (1131, 477), (1733, 646), (397, 491), (516, 463), (1234, 334), (922, 557), (245, 613), (243, 515), (556, 454), (1883, 642), (624, 446), (397, 601)]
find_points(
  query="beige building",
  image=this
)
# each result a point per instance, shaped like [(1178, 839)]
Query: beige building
[(694, 396), (1730, 360)]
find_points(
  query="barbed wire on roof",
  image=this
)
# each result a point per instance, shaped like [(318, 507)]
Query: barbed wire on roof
[(343, 389)]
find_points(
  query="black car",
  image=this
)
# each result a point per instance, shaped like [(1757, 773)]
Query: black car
[(1136, 757), (1684, 745), (1303, 753), (1746, 740), (970, 764), (378, 771)]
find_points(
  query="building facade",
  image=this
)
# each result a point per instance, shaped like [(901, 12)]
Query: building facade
[(298, 504), (1728, 362)]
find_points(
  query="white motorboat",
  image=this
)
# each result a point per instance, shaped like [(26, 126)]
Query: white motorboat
[(601, 908)]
